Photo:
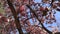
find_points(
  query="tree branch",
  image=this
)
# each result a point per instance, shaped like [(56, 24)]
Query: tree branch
[(18, 25), (38, 19)]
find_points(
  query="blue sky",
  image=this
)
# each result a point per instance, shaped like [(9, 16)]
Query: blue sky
[(57, 16), (37, 1)]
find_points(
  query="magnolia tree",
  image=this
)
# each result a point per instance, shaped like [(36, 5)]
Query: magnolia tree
[(29, 17)]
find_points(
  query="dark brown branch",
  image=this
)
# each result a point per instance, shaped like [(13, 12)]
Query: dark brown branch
[(38, 19), (18, 25), (57, 33), (52, 2)]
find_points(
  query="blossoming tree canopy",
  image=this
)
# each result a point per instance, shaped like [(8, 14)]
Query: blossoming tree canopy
[(30, 17)]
